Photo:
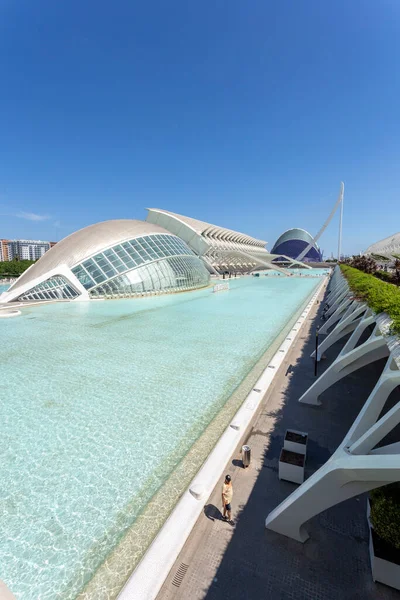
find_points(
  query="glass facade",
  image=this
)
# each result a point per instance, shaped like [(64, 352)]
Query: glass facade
[(148, 264), (151, 263), (166, 275), (55, 288)]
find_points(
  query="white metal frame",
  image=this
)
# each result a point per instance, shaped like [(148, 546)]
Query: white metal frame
[(357, 465)]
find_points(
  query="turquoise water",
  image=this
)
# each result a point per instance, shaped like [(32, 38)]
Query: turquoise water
[(89, 389), (3, 287)]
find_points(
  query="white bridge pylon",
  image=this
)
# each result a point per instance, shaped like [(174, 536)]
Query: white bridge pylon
[(357, 465), (339, 202)]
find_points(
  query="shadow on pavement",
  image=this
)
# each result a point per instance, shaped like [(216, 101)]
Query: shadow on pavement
[(212, 512), (333, 564)]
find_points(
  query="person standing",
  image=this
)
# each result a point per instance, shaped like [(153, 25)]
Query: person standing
[(227, 494)]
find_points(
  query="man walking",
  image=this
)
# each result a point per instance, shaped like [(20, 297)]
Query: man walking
[(227, 494)]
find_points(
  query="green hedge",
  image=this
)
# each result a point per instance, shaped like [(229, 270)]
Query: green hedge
[(379, 295), (385, 513)]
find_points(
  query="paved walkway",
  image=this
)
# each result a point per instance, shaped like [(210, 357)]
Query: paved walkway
[(248, 562)]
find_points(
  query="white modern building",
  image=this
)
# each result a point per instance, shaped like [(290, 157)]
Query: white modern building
[(294, 242), (111, 259), (221, 249), (388, 247), (27, 249), (123, 258)]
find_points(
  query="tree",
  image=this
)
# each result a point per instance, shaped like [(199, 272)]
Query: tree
[(14, 268), (396, 276)]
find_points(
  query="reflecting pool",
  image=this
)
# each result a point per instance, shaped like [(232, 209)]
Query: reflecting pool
[(99, 403)]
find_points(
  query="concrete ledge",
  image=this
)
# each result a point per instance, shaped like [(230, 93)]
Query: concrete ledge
[(9, 314), (5, 593), (149, 576)]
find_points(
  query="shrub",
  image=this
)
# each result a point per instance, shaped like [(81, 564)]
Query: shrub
[(363, 263), (385, 276), (379, 295), (385, 513)]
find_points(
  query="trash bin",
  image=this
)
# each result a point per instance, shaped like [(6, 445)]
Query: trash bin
[(246, 455)]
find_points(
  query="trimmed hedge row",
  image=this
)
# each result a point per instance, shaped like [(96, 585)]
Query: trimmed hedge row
[(379, 295)]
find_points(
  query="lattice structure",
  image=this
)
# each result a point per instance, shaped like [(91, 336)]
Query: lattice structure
[(389, 247), (221, 249), (358, 465)]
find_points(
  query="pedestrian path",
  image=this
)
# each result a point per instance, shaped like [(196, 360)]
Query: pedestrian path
[(247, 561)]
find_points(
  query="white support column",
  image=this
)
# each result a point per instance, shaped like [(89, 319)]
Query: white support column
[(337, 302), (373, 407), (367, 320), (336, 293), (337, 315), (356, 466), (335, 336), (377, 432), (342, 477), (352, 305), (373, 349), (339, 284), (390, 449), (348, 323)]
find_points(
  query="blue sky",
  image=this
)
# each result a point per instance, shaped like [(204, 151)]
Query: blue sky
[(244, 114)]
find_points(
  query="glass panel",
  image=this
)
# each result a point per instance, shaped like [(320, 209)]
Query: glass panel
[(145, 245), (179, 271), (130, 250), (116, 262), (142, 241), (54, 288), (105, 265), (83, 277), (153, 255), (125, 257), (94, 271), (142, 253)]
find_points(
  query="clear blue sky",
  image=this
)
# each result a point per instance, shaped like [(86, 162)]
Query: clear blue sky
[(244, 114)]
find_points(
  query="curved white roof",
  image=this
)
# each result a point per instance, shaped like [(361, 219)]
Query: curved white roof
[(385, 246), (86, 242), (207, 230), (219, 247), (296, 233)]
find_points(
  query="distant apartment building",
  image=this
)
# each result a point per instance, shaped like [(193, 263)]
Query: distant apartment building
[(3, 250), (24, 249)]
